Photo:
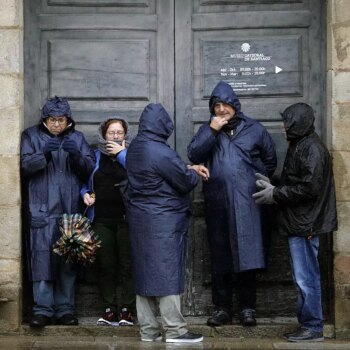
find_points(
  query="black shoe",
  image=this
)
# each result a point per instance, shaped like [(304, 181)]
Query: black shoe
[(186, 338), (287, 335), (40, 321), (306, 335), (247, 318), (219, 318), (67, 320)]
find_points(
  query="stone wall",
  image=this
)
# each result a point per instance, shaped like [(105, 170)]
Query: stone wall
[(338, 47), (11, 119)]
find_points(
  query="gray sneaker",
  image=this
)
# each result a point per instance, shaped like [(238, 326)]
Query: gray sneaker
[(186, 338), (305, 335)]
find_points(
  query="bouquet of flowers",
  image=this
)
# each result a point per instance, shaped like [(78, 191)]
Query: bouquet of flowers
[(78, 242)]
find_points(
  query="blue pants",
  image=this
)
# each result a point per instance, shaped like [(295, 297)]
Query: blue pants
[(55, 298), (306, 274)]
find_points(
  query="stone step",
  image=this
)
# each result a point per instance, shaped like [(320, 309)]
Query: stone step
[(266, 328)]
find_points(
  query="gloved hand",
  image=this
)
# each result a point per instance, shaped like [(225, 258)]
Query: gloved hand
[(265, 196), (261, 177), (70, 146), (51, 145)]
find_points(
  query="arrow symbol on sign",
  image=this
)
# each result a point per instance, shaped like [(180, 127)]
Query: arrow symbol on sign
[(278, 69)]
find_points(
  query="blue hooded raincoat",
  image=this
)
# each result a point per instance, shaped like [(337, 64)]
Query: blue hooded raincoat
[(232, 162), (52, 187), (158, 206)]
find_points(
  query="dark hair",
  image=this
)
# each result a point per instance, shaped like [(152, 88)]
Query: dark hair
[(110, 121)]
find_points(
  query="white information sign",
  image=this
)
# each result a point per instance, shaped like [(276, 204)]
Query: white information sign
[(255, 66)]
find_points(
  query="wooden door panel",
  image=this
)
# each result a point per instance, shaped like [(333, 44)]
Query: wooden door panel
[(271, 53), (98, 6), (100, 69)]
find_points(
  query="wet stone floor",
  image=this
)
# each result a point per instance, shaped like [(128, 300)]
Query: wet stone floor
[(87, 336), (27, 342)]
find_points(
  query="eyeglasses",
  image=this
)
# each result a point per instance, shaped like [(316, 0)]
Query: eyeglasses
[(118, 133), (60, 121)]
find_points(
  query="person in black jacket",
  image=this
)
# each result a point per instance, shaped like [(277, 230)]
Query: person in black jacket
[(103, 194), (306, 209)]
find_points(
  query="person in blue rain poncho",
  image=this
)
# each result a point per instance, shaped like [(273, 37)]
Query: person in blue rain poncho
[(233, 147), (55, 161), (158, 213)]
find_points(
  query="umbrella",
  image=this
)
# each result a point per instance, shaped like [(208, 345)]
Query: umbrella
[(78, 242)]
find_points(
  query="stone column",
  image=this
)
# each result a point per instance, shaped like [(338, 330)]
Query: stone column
[(338, 70), (11, 124)]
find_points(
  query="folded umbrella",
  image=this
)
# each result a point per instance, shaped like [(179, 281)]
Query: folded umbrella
[(78, 242)]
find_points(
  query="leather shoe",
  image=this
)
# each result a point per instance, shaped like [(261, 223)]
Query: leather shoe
[(247, 317), (219, 318), (67, 320), (40, 321)]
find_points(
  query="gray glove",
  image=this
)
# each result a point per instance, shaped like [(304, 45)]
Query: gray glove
[(260, 178), (265, 196)]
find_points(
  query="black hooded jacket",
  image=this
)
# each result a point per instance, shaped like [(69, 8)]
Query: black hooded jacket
[(306, 195)]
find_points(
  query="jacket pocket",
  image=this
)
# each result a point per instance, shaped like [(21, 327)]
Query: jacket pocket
[(39, 222), (39, 215)]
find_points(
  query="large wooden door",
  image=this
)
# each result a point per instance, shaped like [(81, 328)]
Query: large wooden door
[(113, 57), (108, 57), (272, 53)]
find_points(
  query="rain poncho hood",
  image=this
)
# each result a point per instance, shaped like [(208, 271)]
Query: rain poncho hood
[(55, 107), (223, 92), (298, 121), (155, 122)]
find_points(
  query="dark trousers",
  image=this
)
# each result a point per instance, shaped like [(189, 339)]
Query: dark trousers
[(225, 280), (114, 262), (244, 284)]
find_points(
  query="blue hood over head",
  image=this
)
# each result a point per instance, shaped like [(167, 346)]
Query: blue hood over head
[(55, 107), (155, 122), (223, 92)]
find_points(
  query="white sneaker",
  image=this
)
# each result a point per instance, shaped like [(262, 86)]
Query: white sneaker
[(125, 323), (102, 322), (186, 338), (126, 318), (159, 338)]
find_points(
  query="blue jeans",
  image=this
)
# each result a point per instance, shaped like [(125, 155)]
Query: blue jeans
[(55, 298), (306, 274)]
